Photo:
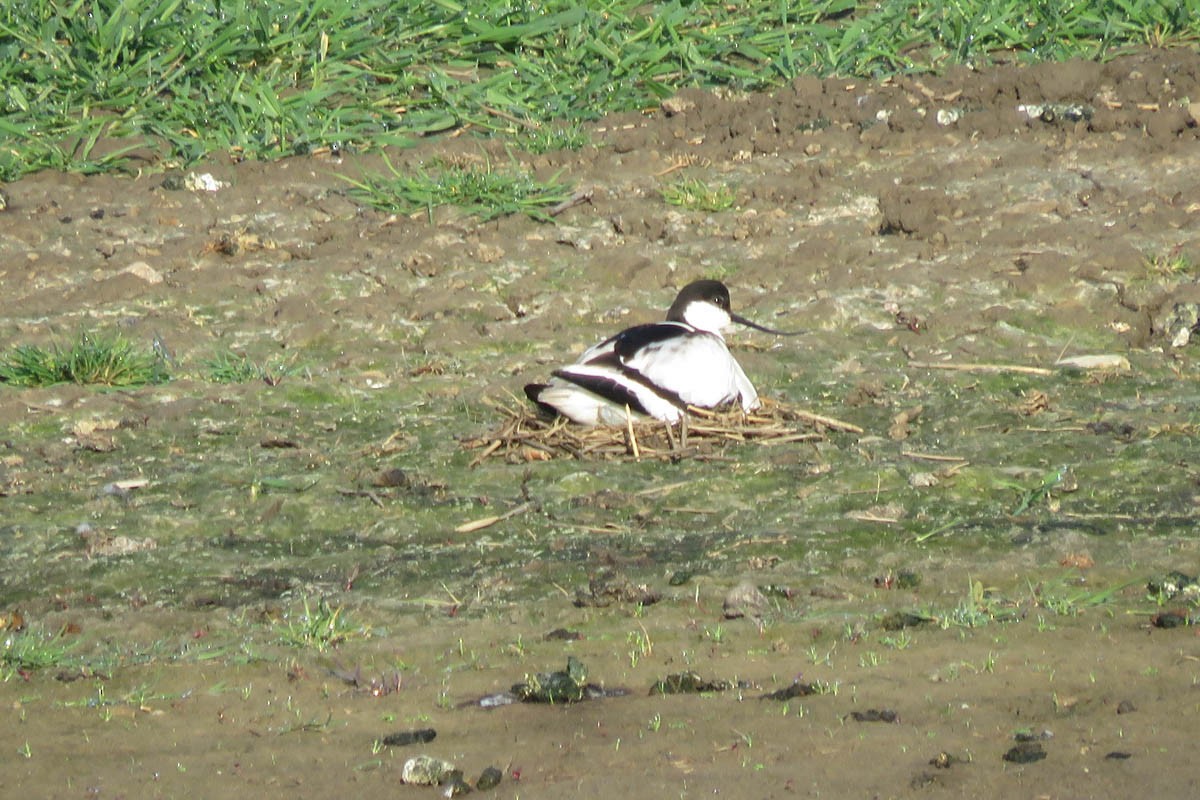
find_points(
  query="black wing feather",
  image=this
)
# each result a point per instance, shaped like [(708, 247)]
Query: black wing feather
[(629, 341), (609, 389), (534, 392)]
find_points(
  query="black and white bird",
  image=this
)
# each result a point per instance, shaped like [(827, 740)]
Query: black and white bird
[(657, 369)]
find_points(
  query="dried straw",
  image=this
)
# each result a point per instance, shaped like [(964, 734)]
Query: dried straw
[(525, 435)]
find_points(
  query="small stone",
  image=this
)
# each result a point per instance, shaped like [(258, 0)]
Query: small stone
[(899, 620), (391, 478), (455, 786), (203, 182), (140, 269), (875, 715), (677, 105), (563, 635), (488, 253), (1115, 362), (489, 779), (923, 480), (796, 689), (1025, 753), (679, 577), (1170, 619), (744, 600), (426, 771), (687, 683), (403, 738), (948, 116)]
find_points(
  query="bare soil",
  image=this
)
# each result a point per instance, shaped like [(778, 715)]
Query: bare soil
[(1012, 215)]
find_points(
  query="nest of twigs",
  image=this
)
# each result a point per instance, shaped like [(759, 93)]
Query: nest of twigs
[(527, 435)]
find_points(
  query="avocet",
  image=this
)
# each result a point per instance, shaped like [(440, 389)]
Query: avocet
[(657, 369)]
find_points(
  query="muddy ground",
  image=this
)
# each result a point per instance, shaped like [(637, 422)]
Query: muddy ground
[(918, 228)]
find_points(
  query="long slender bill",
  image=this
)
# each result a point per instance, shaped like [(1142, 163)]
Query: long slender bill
[(743, 321)]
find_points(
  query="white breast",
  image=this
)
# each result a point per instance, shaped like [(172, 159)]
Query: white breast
[(699, 368)]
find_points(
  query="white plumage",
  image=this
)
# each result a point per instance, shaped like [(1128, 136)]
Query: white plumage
[(656, 369)]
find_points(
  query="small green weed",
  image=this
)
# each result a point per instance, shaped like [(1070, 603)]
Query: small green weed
[(870, 659), (548, 138), (977, 609), (697, 195), (321, 627), (27, 650), (640, 646), (231, 367), (90, 359), (1171, 264), (484, 192), (1030, 497)]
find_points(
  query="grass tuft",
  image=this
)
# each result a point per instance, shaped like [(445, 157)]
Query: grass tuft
[(548, 138), (319, 627), (484, 192), (697, 195), (1170, 264), (230, 367), (25, 651), (103, 360)]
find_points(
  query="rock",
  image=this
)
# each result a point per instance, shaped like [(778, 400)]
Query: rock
[(489, 779), (427, 771), (1115, 362), (744, 600), (140, 269), (203, 182), (1025, 753), (562, 686), (875, 715), (687, 683), (796, 689), (403, 738)]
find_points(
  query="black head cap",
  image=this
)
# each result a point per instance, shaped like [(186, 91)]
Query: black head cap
[(698, 291)]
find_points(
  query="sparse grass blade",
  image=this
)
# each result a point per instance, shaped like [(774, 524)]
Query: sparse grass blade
[(485, 192), (319, 627), (230, 367), (548, 138), (697, 195), (27, 650)]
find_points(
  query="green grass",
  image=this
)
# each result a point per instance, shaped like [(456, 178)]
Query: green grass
[(697, 195), (104, 360), (318, 627), (27, 651), (548, 138), (1169, 264), (485, 192), (97, 85), (230, 367)]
